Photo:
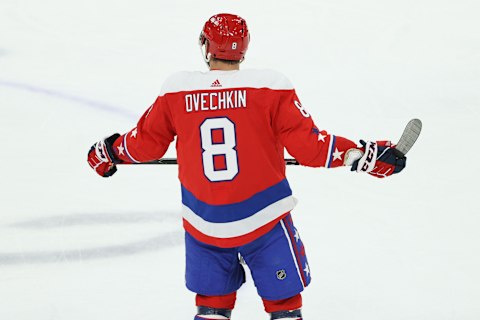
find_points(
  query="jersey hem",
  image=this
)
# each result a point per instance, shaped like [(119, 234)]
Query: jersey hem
[(234, 241)]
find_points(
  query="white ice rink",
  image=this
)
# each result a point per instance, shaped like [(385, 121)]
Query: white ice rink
[(78, 247)]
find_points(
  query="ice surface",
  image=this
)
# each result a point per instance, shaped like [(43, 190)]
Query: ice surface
[(75, 246)]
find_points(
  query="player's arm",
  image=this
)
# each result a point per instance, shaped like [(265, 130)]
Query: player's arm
[(149, 140), (318, 148), (304, 141)]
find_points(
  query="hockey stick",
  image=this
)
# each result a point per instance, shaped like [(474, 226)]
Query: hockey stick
[(174, 161), (405, 143)]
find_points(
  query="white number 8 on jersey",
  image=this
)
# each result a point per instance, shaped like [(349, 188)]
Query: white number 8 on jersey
[(223, 147), (302, 109)]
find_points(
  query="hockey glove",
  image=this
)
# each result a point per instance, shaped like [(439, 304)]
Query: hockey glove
[(101, 157), (380, 159)]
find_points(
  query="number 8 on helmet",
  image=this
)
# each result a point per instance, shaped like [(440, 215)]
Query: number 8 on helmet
[(224, 37)]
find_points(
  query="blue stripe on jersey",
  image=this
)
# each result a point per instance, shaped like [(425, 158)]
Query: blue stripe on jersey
[(236, 211), (332, 146)]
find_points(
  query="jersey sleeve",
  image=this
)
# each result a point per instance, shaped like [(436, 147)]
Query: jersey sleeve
[(150, 139), (303, 140)]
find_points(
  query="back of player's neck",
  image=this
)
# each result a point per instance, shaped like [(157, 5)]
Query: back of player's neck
[(225, 70), (219, 66)]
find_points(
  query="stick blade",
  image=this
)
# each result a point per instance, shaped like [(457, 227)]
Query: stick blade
[(409, 136)]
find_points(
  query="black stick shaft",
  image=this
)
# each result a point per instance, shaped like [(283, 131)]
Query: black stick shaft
[(288, 162)]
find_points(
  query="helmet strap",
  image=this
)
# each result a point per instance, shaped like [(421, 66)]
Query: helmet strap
[(206, 55)]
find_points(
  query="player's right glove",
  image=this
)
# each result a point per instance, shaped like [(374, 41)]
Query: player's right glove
[(380, 159), (101, 157)]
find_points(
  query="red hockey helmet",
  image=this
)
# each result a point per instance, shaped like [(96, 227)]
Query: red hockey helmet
[(225, 36)]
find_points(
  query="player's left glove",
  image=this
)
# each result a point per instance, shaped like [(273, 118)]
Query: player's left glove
[(380, 159), (101, 157)]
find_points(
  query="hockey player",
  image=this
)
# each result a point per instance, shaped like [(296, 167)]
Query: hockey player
[(232, 127)]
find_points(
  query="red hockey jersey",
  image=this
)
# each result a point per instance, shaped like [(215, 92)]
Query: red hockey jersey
[(231, 129)]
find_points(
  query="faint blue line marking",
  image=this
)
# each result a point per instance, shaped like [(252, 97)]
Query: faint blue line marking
[(88, 219), (70, 97), (154, 244)]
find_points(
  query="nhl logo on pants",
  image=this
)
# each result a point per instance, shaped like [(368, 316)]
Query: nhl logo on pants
[(281, 274)]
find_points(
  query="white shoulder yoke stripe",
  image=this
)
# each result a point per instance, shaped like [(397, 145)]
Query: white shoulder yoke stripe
[(217, 80)]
